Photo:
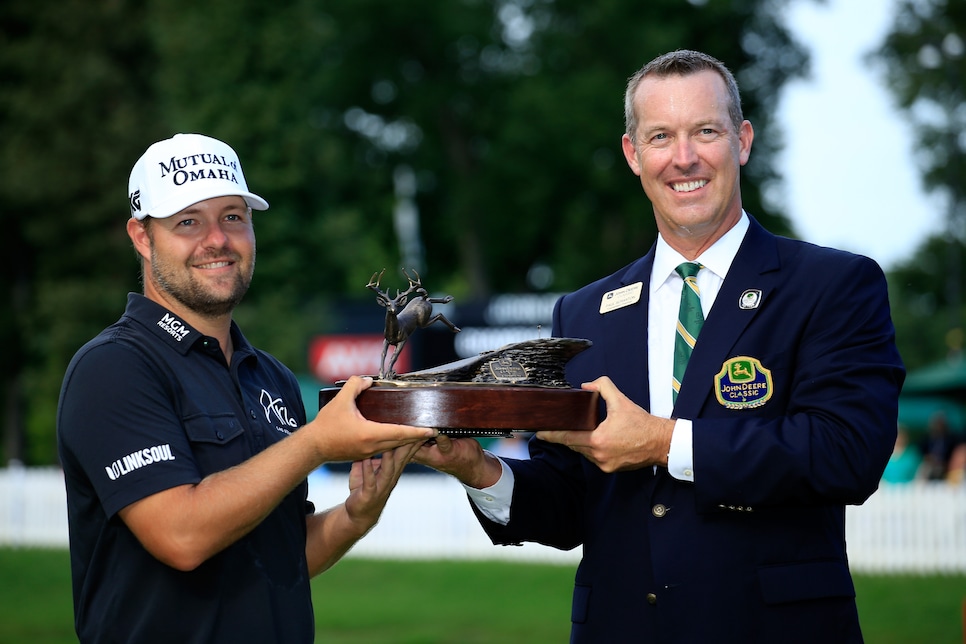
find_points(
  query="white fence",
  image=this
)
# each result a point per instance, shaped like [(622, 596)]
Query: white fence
[(913, 528)]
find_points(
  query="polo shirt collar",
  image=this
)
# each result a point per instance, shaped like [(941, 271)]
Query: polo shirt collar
[(171, 329)]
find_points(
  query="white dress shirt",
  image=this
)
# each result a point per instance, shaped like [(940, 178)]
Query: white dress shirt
[(663, 304)]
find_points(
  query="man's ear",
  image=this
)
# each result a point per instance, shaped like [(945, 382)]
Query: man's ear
[(138, 233), (630, 154), (745, 137)]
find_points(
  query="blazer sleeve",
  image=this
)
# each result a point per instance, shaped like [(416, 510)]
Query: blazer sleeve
[(827, 435)]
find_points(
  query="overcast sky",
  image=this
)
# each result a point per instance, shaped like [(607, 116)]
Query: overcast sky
[(849, 175)]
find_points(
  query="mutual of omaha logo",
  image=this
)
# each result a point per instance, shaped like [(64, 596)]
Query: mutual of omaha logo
[(199, 166), (743, 383)]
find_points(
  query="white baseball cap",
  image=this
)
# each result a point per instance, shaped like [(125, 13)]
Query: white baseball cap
[(183, 170)]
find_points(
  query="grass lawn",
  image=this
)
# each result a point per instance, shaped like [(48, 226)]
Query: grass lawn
[(362, 600)]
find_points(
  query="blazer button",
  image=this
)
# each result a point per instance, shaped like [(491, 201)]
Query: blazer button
[(651, 599), (659, 510)]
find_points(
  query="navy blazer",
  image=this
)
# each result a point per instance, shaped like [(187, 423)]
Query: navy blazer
[(754, 549)]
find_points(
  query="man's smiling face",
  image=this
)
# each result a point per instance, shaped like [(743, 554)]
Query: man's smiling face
[(202, 258), (688, 155)]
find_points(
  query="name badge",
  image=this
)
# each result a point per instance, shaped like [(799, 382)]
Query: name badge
[(619, 298)]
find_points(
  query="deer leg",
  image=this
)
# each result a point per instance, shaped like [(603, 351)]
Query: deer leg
[(442, 318), (382, 363), (392, 361)]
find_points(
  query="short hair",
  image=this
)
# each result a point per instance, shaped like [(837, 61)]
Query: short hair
[(682, 62)]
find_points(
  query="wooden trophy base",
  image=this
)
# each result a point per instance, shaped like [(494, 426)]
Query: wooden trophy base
[(471, 409)]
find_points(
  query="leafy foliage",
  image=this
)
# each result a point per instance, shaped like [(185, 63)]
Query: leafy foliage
[(927, 302), (73, 110), (924, 63), (498, 120)]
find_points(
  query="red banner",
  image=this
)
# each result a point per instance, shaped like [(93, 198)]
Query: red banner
[(336, 357)]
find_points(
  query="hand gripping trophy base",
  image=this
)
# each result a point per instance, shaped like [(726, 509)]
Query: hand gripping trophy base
[(520, 387)]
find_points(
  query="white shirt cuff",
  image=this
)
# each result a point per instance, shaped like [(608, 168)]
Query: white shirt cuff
[(494, 501), (680, 458)]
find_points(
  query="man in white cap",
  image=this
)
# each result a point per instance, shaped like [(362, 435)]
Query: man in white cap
[(186, 450)]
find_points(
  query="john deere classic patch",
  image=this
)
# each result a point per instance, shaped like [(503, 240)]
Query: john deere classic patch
[(743, 383)]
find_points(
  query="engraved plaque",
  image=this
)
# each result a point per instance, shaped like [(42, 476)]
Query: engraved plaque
[(507, 370)]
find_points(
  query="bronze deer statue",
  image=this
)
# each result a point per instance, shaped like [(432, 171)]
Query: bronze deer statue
[(403, 316)]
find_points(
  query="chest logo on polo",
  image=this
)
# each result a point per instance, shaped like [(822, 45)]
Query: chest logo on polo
[(743, 383), (276, 411)]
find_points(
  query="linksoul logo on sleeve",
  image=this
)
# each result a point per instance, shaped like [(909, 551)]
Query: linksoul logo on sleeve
[(137, 460)]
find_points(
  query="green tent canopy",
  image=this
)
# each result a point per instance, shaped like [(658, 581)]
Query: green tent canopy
[(937, 387), (915, 412), (942, 378)]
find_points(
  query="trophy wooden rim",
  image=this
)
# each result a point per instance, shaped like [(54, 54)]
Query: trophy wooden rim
[(476, 409)]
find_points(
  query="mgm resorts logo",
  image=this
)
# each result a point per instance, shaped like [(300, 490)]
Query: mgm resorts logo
[(175, 327)]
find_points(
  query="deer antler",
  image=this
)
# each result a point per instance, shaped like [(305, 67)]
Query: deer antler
[(414, 284), (373, 285)]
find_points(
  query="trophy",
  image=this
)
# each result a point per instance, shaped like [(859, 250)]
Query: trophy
[(520, 387)]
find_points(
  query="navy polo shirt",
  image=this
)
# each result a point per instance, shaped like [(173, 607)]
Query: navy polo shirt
[(151, 404)]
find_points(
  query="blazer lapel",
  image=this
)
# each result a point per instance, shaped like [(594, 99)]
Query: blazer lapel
[(755, 269), (628, 326)]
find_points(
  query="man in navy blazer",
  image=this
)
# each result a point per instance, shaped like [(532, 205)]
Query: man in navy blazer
[(718, 516)]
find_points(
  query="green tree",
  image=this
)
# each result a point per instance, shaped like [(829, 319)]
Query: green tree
[(74, 105), (924, 64), (507, 113), (498, 120), (927, 315)]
